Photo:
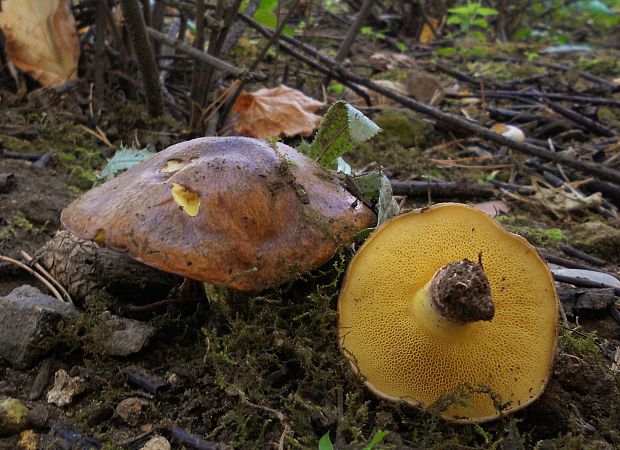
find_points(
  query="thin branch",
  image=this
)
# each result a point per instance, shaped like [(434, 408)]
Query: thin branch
[(202, 56), (144, 53), (35, 274)]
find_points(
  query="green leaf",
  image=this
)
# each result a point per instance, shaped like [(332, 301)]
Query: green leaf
[(266, 18), (522, 33), (367, 31), (304, 147), (387, 206), (376, 440), (487, 12), (479, 35), (464, 10), (268, 4), (369, 184), (360, 126), (288, 31), (481, 23), (363, 234), (446, 51), (401, 47), (123, 159), (454, 20), (333, 138), (335, 87), (376, 186), (343, 166), (342, 127), (325, 442)]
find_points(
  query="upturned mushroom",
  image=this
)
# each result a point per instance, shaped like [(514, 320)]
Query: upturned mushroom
[(234, 212), (444, 300)]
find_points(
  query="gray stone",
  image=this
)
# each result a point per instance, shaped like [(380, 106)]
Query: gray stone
[(119, 336), (28, 317)]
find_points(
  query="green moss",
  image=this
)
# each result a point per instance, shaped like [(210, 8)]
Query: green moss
[(583, 346), (404, 127), (540, 236), (597, 238), (501, 70), (19, 221), (399, 145)]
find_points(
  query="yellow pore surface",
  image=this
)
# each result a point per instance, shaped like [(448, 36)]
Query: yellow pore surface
[(402, 357)]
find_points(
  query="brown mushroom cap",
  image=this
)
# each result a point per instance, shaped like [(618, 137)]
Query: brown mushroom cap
[(405, 351), (231, 211)]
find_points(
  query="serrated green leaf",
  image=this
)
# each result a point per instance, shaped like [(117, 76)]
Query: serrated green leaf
[(333, 138), (341, 128), (360, 126), (124, 159)]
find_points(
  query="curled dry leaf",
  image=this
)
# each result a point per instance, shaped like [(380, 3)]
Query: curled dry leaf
[(273, 112), (41, 38)]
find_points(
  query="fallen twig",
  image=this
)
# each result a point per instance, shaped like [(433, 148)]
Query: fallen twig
[(34, 274), (202, 56), (572, 251), (584, 282), (442, 189), (46, 274)]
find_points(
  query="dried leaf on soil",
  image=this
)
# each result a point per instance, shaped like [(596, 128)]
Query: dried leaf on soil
[(41, 38), (276, 111)]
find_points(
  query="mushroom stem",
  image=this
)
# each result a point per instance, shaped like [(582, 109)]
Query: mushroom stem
[(460, 292), (457, 295)]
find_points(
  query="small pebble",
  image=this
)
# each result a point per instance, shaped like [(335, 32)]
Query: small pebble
[(157, 443)]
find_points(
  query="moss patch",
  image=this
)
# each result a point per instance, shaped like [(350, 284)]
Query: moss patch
[(399, 145)]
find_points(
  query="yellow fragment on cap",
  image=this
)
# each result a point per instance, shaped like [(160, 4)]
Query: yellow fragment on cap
[(188, 200), (172, 165), (100, 237)]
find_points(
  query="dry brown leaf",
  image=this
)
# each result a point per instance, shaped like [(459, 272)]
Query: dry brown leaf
[(276, 111), (41, 38), (427, 35)]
